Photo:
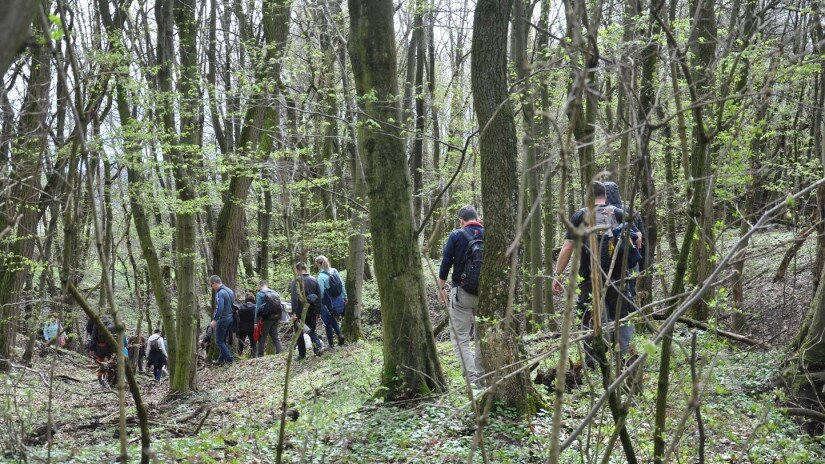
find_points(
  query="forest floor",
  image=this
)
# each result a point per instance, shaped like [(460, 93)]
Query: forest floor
[(233, 417)]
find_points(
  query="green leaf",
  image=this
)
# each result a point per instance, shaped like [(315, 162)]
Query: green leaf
[(649, 347)]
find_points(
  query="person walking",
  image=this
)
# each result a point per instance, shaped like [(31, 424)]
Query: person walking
[(158, 356), (462, 300), (607, 218), (222, 319), (333, 297), (312, 296), (246, 325), (268, 310)]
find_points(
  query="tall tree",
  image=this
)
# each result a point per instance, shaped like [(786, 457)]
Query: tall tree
[(259, 125), (137, 178), (181, 154), (500, 342), (533, 253), (19, 212), (703, 52), (411, 366)]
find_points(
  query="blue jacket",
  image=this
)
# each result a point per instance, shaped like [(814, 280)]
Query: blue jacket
[(323, 281), (455, 251), (224, 299)]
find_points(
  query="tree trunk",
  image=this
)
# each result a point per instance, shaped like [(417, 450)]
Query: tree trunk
[(417, 160), (502, 352), (15, 21), (411, 366), (259, 124), (703, 49), (264, 226), (806, 376), (19, 211), (182, 14), (532, 238)]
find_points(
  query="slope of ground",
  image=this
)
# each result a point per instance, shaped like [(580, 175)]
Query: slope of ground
[(340, 421), (234, 415)]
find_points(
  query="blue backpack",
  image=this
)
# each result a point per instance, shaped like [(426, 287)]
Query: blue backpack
[(336, 287), (333, 296)]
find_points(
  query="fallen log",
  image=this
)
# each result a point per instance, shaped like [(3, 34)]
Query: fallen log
[(703, 326), (802, 412)]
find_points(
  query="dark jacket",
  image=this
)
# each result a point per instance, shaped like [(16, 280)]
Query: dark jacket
[(224, 298), (246, 318), (455, 251), (313, 295)]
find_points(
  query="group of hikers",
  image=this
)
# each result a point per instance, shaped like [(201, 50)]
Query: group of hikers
[(252, 321), (323, 297), (619, 252), (619, 247)]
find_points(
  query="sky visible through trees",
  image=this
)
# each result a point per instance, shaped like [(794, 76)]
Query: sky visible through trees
[(149, 144)]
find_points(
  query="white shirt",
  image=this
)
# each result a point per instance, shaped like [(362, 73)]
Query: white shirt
[(161, 343)]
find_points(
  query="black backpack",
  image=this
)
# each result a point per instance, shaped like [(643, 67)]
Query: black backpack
[(472, 263), (154, 345), (336, 287), (271, 308), (618, 244), (100, 345), (247, 314), (235, 318)]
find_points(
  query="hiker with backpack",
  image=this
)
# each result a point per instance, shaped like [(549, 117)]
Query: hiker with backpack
[(306, 317), (333, 297), (637, 226), (101, 350), (158, 356), (222, 320), (610, 238), (463, 254), (268, 313), (246, 325)]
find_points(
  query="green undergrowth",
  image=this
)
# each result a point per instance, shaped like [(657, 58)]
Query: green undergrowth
[(340, 419)]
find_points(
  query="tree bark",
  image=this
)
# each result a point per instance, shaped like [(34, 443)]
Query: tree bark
[(20, 212), (502, 352), (703, 49), (534, 294), (15, 21), (411, 366)]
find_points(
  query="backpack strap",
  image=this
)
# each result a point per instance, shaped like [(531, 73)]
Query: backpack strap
[(470, 237)]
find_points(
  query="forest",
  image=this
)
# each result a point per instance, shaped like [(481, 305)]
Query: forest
[(509, 231)]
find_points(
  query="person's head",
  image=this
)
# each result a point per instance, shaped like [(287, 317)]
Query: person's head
[(466, 214), (322, 262), (262, 284), (158, 331), (598, 190), (612, 194), (250, 297), (300, 268), (215, 282)]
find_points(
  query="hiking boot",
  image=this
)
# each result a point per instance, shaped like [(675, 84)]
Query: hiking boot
[(341, 341), (301, 358), (101, 382), (317, 350)]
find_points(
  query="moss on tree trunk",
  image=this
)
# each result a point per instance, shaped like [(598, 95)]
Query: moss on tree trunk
[(501, 348), (411, 366)]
